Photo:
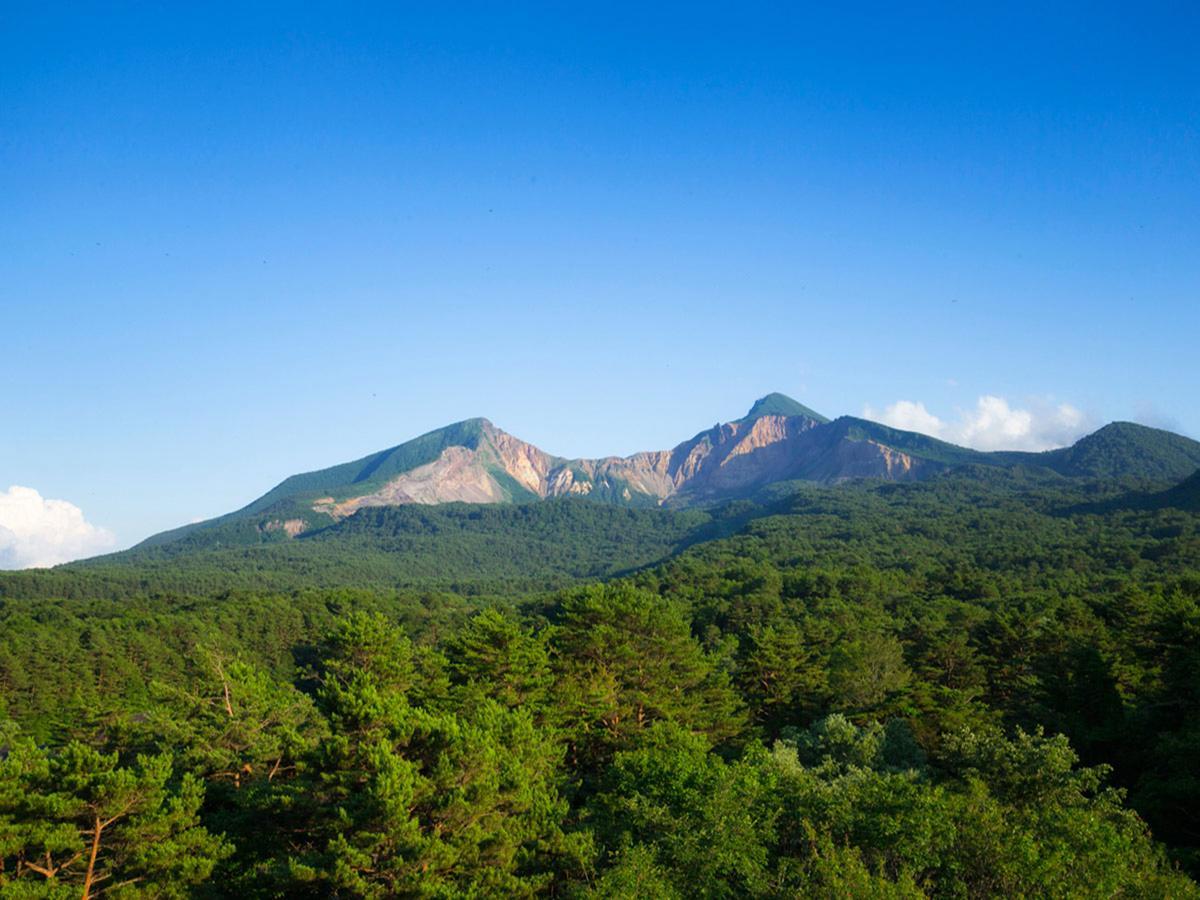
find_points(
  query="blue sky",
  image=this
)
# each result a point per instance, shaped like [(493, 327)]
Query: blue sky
[(240, 244)]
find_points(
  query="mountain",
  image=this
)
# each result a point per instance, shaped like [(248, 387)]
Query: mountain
[(476, 462), (778, 440), (1123, 449)]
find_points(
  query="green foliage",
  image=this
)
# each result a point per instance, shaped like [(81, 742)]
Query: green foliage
[(466, 549), (781, 674), (835, 743), (868, 675), (498, 656), (710, 823), (634, 874), (628, 660), (974, 831), (410, 800), (75, 822), (234, 724), (983, 685)]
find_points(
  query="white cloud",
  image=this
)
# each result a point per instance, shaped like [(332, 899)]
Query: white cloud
[(909, 416), (994, 424), (36, 532)]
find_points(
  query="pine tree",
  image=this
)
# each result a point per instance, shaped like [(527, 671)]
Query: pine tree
[(77, 822)]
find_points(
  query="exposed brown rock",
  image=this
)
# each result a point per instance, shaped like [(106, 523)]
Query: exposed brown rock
[(729, 458), (292, 527)]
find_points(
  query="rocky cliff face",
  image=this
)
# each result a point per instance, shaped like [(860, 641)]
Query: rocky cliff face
[(725, 461)]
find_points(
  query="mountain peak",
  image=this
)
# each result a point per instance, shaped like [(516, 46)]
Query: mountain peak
[(1126, 448), (777, 404)]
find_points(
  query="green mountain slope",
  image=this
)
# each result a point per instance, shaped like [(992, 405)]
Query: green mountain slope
[(910, 442), (1185, 495), (781, 405), (1126, 450), (1118, 450), (288, 498), (467, 548)]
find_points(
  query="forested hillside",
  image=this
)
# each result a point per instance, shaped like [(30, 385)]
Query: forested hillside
[(983, 685), (466, 548)]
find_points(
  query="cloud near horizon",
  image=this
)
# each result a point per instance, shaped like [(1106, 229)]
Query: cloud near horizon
[(994, 424), (36, 532)]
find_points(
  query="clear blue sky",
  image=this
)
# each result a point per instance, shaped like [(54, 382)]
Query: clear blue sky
[(236, 245)]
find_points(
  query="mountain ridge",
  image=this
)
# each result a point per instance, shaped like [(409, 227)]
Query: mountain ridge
[(778, 440)]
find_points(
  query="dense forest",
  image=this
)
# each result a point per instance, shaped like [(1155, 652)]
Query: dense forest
[(983, 685)]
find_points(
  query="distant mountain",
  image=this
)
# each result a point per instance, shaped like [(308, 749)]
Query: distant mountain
[(778, 440), (1123, 449)]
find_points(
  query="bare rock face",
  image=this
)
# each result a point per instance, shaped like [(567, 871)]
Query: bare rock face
[(291, 527), (528, 466), (845, 460), (744, 454), (453, 476), (726, 460)]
